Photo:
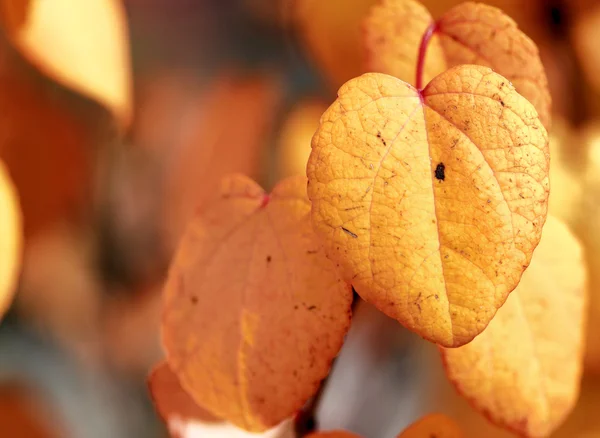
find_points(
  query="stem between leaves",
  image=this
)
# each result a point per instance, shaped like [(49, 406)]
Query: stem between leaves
[(431, 29), (306, 421)]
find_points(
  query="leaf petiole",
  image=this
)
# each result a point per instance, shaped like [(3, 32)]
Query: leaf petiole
[(431, 29)]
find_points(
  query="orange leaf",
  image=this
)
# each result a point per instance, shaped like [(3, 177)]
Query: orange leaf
[(254, 312), (206, 148), (10, 240), (433, 425), (171, 400), (470, 33), (431, 201), (82, 45), (523, 372)]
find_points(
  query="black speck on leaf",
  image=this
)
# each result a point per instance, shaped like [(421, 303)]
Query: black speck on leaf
[(440, 172)]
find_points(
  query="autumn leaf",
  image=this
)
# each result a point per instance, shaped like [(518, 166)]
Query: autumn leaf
[(205, 148), (293, 145), (523, 372), (433, 425), (469, 33), (254, 313), (10, 240), (424, 197), (171, 400), (82, 45)]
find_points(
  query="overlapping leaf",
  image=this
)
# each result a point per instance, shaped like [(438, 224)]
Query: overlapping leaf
[(83, 45), (469, 33), (432, 202), (10, 240), (254, 312), (171, 400), (523, 372)]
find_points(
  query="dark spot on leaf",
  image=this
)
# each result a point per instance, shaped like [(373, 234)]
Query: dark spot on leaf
[(350, 233), (439, 172), (311, 307), (194, 299), (269, 259)]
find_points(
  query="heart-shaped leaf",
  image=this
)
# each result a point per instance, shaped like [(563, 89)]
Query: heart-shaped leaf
[(254, 312), (431, 201)]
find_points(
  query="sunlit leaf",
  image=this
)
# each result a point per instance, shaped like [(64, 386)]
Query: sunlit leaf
[(83, 45), (254, 313), (432, 202), (523, 372)]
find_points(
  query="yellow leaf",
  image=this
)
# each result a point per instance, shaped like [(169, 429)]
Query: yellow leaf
[(170, 399), (293, 147), (10, 240), (254, 313), (470, 33), (431, 201), (83, 45), (433, 425), (523, 372), (331, 31)]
